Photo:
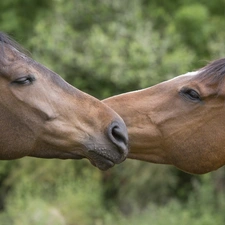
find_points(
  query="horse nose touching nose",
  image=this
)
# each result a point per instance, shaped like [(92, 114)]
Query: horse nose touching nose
[(117, 133)]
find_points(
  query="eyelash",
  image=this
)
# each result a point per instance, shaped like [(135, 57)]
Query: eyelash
[(190, 94), (24, 80)]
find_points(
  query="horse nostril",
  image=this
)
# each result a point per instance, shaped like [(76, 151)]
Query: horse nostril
[(117, 133)]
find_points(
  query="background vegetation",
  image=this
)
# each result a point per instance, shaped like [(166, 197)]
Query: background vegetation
[(107, 47)]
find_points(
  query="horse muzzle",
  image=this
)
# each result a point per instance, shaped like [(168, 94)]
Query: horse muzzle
[(114, 152)]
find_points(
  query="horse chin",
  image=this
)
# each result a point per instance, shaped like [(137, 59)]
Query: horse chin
[(101, 161), (96, 160), (102, 164)]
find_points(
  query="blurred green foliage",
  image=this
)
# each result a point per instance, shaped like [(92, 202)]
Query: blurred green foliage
[(104, 48)]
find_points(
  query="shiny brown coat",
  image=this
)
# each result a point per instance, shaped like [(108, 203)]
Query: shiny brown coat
[(43, 116), (179, 122)]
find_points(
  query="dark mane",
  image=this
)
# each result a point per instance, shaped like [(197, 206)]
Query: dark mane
[(214, 71), (5, 39)]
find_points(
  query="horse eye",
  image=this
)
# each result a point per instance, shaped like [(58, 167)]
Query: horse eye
[(24, 80), (191, 94)]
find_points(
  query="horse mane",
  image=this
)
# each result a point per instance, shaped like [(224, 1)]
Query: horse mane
[(214, 71), (5, 39)]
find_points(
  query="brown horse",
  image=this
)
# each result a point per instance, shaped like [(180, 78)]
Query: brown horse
[(180, 121), (43, 116)]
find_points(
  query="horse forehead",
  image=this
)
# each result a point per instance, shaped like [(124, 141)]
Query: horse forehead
[(204, 85), (193, 73), (183, 79), (186, 75)]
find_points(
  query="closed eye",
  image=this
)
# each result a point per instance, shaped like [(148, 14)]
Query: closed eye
[(24, 80), (190, 94)]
